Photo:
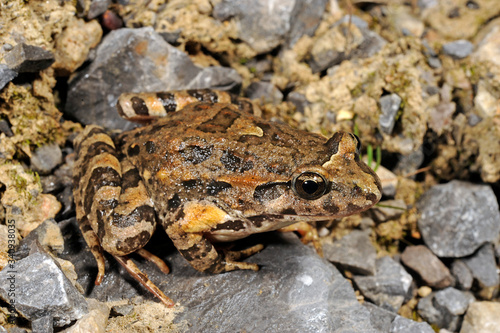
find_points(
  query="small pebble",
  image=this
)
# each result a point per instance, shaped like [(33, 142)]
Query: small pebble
[(458, 49)]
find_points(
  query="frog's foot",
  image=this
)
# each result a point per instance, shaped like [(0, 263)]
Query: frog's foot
[(232, 257), (154, 259), (308, 234), (143, 279)]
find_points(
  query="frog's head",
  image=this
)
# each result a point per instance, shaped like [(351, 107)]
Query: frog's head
[(337, 186)]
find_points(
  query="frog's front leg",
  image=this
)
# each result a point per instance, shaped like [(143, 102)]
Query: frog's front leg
[(186, 228), (113, 206)]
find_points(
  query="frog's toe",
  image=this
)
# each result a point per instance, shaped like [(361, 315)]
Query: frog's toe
[(242, 254), (154, 259), (235, 265)]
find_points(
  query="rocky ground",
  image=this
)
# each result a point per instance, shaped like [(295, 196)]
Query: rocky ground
[(418, 81)]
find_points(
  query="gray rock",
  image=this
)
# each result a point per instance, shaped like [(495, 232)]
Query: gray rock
[(329, 49), (311, 297), (265, 26), (482, 317), (42, 289), (463, 275), (458, 217), (458, 49), (6, 75), (405, 325), (265, 91), (410, 163), (484, 270), (389, 107), (43, 324), (46, 158), (425, 263), (299, 100), (137, 60), (5, 128), (97, 7), (380, 318), (24, 58), (434, 62), (444, 308), (390, 285), (95, 321), (47, 234), (353, 252), (121, 310)]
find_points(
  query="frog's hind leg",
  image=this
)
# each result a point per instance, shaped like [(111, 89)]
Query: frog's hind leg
[(113, 206), (145, 107)]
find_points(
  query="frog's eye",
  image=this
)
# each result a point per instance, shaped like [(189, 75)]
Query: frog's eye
[(310, 185)]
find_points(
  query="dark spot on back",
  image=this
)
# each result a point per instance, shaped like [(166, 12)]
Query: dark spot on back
[(139, 106), (168, 101), (141, 213), (174, 203), (133, 150), (231, 225), (189, 184), (234, 163), (277, 168), (197, 251), (196, 154), (330, 207), (102, 176), (215, 187), (270, 191), (220, 122), (150, 147)]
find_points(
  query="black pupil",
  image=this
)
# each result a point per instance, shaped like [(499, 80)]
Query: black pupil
[(310, 186)]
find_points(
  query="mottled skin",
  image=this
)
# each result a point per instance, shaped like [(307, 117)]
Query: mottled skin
[(210, 172)]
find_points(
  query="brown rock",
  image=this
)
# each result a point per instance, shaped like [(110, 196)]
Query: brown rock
[(425, 263)]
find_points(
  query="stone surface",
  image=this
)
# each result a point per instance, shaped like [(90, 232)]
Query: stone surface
[(458, 217), (97, 7), (137, 60), (264, 25), (353, 252), (484, 270), (389, 106), (95, 321), (463, 275), (43, 324), (444, 308), (380, 318), (294, 290), (264, 91), (389, 181), (425, 263), (330, 48), (47, 234), (121, 310), (458, 49), (389, 286), (6, 75), (42, 289), (28, 58), (46, 158), (482, 317), (405, 325)]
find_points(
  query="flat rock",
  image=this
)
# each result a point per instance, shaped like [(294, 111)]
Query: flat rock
[(265, 91), (137, 60), (458, 49), (265, 26), (425, 263), (25, 58), (482, 317), (46, 158), (389, 286), (380, 318), (463, 275), (405, 325), (444, 308), (449, 214), (295, 290), (353, 252), (389, 107), (6, 75), (95, 321), (42, 290), (484, 270)]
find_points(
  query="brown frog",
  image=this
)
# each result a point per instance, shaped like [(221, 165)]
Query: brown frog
[(208, 170)]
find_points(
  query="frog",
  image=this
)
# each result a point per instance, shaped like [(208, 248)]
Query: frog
[(207, 168)]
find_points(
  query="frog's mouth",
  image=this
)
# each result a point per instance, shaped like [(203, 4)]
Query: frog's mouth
[(237, 229)]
